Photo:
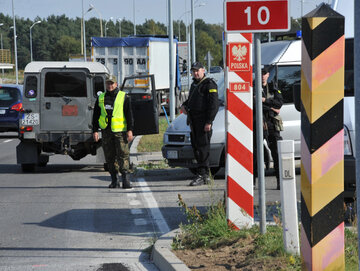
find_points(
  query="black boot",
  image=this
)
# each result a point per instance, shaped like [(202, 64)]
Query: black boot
[(126, 180), (198, 180), (114, 181)]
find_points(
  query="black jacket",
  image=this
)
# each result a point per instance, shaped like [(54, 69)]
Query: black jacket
[(109, 100), (273, 99), (202, 102)]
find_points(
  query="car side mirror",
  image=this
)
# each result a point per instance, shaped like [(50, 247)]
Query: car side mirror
[(297, 96)]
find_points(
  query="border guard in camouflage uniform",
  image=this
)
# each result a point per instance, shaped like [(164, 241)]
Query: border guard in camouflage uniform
[(112, 113)]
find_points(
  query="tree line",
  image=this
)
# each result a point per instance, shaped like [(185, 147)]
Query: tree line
[(56, 38)]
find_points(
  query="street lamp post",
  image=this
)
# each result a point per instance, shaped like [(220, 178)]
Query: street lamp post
[(119, 20), (2, 52), (83, 27), (106, 26), (15, 45), (31, 52), (101, 25), (134, 17), (193, 29)]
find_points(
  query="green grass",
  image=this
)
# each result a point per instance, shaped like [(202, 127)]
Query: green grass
[(153, 143), (154, 165), (211, 230), (351, 250)]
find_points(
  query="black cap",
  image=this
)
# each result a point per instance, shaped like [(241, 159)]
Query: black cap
[(196, 66), (265, 70)]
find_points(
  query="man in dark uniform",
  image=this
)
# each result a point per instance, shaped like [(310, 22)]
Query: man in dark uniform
[(272, 101), (201, 108), (112, 113)]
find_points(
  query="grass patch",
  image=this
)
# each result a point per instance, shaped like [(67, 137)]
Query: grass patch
[(153, 165), (153, 143), (200, 243)]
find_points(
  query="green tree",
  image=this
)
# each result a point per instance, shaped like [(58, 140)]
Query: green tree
[(205, 43), (64, 47)]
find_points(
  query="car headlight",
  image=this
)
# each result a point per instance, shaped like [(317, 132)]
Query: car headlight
[(347, 142), (187, 138)]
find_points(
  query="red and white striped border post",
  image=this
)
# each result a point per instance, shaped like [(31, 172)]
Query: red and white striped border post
[(239, 130)]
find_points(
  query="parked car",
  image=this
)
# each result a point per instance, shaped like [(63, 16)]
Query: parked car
[(10, 106), (215, 69)]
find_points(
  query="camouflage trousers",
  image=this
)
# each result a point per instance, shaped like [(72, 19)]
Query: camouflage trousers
[(116, 151)]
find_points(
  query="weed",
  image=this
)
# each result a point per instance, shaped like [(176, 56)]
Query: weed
[(153, 165)]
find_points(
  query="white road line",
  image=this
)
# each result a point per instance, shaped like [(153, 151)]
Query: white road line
[(8, 140), (153, 206), (136, 211)]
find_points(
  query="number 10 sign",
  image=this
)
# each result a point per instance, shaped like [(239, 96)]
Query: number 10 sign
[(257, 16)]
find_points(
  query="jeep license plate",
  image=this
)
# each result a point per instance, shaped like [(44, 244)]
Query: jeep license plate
[(172, 155), (2, 111), (30, 119)]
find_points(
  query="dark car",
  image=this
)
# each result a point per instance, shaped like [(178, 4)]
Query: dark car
[(10, 106), (215, 69)]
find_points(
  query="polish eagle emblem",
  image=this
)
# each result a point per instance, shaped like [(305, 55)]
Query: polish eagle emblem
[(239, 52)]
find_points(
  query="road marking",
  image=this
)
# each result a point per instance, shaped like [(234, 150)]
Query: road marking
[(136, 211), (134, 202), (140, 221), (8, 140), (153, 206)]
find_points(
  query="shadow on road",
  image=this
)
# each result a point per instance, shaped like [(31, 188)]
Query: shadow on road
[(111, 221), (52, 168)]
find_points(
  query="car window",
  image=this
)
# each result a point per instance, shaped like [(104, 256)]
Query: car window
[(215, 69), (221, 88), (8, 96), (349, 67), (31, 87), (288, 76), (99, 85), (69, 84)]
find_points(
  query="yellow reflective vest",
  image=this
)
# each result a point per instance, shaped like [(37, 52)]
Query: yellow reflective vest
[(118, 121)]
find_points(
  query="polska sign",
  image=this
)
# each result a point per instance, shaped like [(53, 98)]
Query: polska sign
[(239, 56), (257, 16)]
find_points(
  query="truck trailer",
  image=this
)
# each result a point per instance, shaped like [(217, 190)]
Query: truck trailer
[(140, 55)]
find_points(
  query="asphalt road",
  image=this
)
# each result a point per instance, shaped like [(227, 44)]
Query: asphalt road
[(63, 216)]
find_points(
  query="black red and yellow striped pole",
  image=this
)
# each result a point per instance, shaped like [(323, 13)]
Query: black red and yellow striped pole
[(322, 140)]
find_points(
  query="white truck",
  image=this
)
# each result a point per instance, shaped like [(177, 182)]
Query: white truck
[(140, 55)]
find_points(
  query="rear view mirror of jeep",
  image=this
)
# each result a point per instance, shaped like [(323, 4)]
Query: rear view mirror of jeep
[(297, 96)]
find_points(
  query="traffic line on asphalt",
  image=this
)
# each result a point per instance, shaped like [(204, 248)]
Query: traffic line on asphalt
[(153, 206), (136, 211), (7, 140)]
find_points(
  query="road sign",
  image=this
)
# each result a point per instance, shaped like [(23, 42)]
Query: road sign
[(257, 16), (239, 56)]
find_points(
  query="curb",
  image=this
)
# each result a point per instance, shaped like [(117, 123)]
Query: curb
[(162, 256)]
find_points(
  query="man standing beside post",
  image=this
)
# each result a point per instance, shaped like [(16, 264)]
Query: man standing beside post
[(112, 113), (201, 108), (272, 101)]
